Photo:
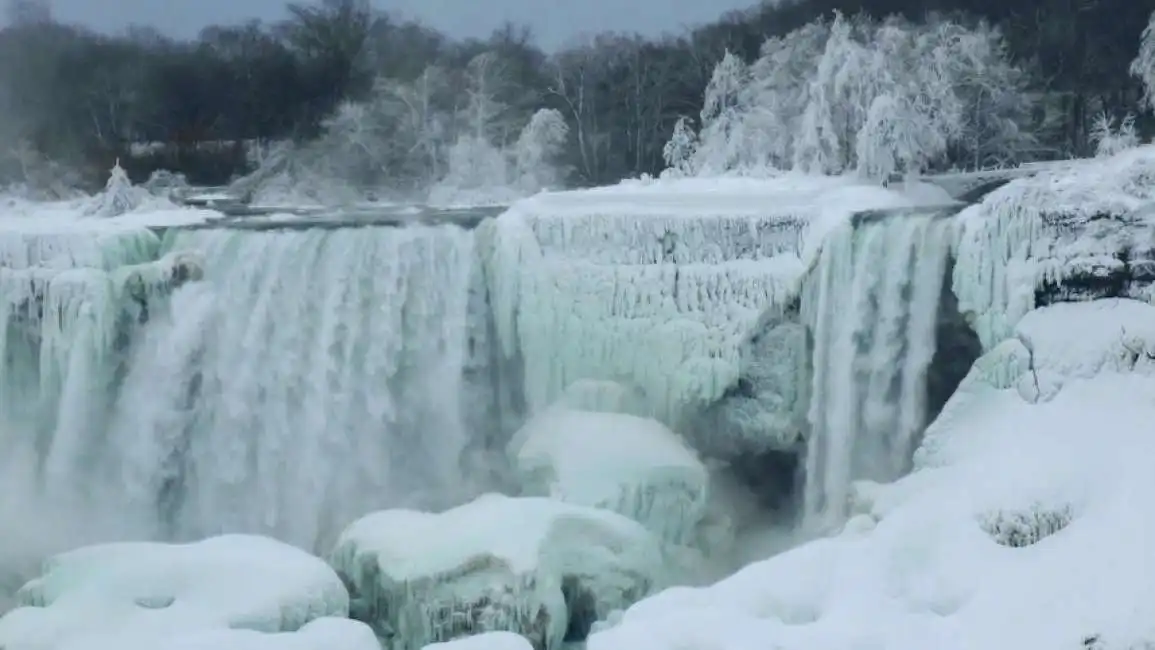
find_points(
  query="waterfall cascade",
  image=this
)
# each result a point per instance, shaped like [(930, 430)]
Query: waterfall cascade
[(871, 304), (315, 376)]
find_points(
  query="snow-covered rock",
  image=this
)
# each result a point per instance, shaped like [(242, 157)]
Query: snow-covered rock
[(1076, 232), (328, 633), (537, 567), (623, 463), (1023, 525), (166, 593), (486, 641), (765, 410)]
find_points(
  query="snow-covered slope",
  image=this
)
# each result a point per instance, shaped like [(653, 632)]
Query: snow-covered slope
[(1022, 528)]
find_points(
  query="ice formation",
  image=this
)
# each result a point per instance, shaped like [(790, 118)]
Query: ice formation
[(1013, 532), (313, 376), (69, 305), (872, 305), (160, 592), (623, 463), (654, 286), (1081, 231), (534, 566)]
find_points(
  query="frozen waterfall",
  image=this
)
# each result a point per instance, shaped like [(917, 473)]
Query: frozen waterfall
[(314, 376), (872, 303)]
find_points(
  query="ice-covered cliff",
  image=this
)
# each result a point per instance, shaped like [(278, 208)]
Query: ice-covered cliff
[(774, 349)]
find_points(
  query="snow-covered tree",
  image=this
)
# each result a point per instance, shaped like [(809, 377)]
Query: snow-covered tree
[(721, 138), (1110, 138), (879, 98), (680, 149), (120, 196), (537, 150), (1143, 67)]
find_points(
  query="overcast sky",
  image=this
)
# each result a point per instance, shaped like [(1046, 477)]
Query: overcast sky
[(554, 21)]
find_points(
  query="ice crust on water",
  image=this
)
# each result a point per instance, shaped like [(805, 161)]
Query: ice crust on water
[(925, 564), (495, 564), (1075, 222), (623, 463), (654, 286), (164, 593)]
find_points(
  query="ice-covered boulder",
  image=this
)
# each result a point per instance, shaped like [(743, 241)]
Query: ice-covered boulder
[(540, 568), (1079, 232), (1024, 524), (168, 592), (486, 641), (630, 465), (328, 633), (765, 410)]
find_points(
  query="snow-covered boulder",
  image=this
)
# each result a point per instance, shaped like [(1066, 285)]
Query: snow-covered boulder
[(486, 641), (540, 568), (145, 281), (1024, 524), (623, 463), (1079, 231), (328, 633), (765, 410), (164, 593)]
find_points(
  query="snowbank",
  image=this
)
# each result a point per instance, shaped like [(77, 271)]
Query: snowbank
[(656, 285), (165, 593), (1023, 526), (1084, 230), (537, 567), (626, 464)]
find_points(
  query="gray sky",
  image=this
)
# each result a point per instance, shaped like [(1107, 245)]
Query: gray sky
[(554, 21)]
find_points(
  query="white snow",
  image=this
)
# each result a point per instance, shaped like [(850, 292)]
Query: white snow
[(487, 641), (164, 592), (656, 284), (1022, 526), (494, 564), (61, 217), (1071, 220), (630, 465)]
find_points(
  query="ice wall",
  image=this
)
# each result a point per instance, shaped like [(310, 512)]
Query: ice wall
[(655, 287), (871, 303), (1080, 232), (68, 305)]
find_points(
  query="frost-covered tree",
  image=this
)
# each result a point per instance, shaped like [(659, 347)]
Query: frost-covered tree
[(721, 137), (1110, 138), (879, 98), (120, 196), (680, 149), (1143, 67), (537, 150)]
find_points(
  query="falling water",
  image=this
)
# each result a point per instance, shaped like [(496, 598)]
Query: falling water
[(312, 377), (872, 304)]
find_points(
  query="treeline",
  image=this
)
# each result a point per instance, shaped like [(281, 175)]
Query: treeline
[(74, 101)]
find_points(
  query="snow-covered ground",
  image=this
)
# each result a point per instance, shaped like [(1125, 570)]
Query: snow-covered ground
[(1024, 526)]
